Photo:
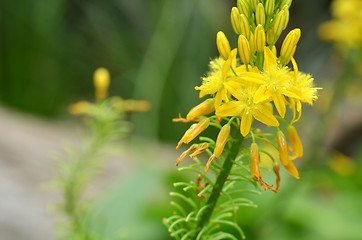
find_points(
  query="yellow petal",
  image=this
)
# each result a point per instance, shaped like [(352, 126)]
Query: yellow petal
[(217, 100), (261, 94), (263, 114), (227, 64), (279, 102), (233, 108), (252, 77), (245, 123), (270, 60)]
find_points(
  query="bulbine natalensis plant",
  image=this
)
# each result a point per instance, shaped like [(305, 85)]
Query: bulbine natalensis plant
[(241, 90)]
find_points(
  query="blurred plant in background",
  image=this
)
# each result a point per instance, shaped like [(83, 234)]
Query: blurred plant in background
[(242, 90), (106, 124)]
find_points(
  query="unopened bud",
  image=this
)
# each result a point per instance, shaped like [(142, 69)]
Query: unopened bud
[(235, 20), (254, 162), (274, 50), (194, 131), (244, 7), (269, 7), (278, 23), (286, 20), (286, 3), (203, 108), (222, 140), (295, 141), (101, 78), (289, 46), (252, 44), (244, 49), (259, 38), (254, 4), (270, 36), (223, 45), (244, 26), (260, 14), (283, 148)]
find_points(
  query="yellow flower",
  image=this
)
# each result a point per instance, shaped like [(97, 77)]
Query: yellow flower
[(220, 80), (247, 108), (275, 83)]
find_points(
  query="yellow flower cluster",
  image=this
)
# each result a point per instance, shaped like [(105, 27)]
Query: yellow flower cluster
[(249, 86), (346, 26)]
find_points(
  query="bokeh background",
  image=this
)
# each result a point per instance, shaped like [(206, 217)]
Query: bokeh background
[(157, 51)]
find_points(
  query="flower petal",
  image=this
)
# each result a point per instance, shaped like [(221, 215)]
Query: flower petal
[(263, 114), (245, 124), (279, 102), (270, 60), (233, 108), (261, 94)]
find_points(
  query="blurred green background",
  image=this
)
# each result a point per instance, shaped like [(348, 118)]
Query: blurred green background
[(157, 50)]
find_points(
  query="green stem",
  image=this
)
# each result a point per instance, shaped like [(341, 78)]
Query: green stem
[(220, 181)]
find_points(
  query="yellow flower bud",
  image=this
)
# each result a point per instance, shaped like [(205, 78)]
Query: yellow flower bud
[(101, 80), (244, 7), (286, 20), (254, 162), (203, 108), (222, 139), (289, 46), (260, 14), (259, 38), (244, 26), (269, 7), (194, 131), (79, 108), (270, 37), (295, 141), (235, 20), (283, 148), (223, 45), (278, 23), (274, 50), (254, 4), (244, 49), (286, 3), (252, 44)]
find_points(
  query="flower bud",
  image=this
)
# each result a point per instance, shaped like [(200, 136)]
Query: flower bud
[(269, 7), (291, 168), (270, 36), (194, 131), (203, 108), (101, 78), (244, 49), (289, 46), (260, 14), (223, 45), (244, 7), (254, 162), (278, 23), (295, 141), (254, 5), (286, 3), (274, 50), (244, 26), (235, 20), (283, 148), (252, 44), (286, 20), (259, 38), (222, 139)]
